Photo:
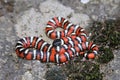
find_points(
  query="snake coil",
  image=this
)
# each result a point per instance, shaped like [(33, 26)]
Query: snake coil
[(68, 43)]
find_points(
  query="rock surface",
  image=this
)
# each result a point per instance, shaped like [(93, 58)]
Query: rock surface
[(30, 19)]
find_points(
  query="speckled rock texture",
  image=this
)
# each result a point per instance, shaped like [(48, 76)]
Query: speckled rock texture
[(20, 18)]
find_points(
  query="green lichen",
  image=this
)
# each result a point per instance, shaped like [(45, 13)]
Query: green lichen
[(83, 70), (55, 73), (106, 55), (107, 35)]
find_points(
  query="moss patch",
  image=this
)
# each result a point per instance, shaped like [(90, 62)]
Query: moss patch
[(55, 73), (107, 35), (83, 70)]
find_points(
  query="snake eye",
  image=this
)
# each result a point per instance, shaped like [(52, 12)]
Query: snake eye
[(57, 42)]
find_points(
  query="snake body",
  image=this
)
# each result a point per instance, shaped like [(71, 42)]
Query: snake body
[(68, 43)]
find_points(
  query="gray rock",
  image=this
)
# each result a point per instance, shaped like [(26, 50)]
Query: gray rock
[(29, 18)]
